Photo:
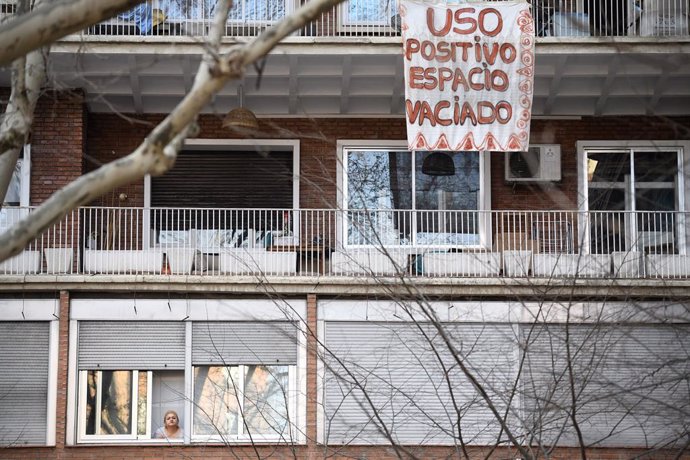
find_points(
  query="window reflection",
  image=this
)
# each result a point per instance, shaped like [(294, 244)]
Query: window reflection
[(111, 413), (385, 187), (265, 401), (631, 180), (240, 400), (129, 404)]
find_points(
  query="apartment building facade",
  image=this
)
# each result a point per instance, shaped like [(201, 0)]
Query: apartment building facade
[(310, 287)]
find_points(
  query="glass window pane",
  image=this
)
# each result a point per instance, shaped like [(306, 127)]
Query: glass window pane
[(606, 199), (370, 12), (262, 10), (656, 199), (656, 166), (116, 402), (142, 402), (216, 405), (265, 399), (183, 9), (608, 167), (379, 182), (442, 193), (90, 412), (460, 191), (167, 393), (13, 196)]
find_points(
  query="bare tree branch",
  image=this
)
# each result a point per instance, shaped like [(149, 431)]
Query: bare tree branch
[(153, 156), (53, 20), (28, 76)]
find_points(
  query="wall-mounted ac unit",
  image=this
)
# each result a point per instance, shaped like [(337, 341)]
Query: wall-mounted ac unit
[(541, 163)]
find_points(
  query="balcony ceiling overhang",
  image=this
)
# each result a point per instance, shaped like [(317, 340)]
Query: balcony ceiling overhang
[(364, 77)]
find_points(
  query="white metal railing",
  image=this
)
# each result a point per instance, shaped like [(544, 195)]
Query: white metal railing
[(364, 243), (193, 18), (553, 18)]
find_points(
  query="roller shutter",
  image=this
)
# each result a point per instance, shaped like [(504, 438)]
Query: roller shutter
[(216, 179), (230, 343), (403, 378), (121, 345), (631, 383), (24, 364)]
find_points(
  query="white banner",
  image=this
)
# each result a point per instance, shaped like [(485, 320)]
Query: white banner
[(469, 75)]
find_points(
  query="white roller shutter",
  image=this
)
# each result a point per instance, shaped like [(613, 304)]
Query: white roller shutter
[(631, 384), (121, 345), (403, 378), (24, 364), (244, 342)]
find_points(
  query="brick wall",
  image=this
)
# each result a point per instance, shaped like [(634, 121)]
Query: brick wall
[(109, 137), (57, 143), (311, 452)]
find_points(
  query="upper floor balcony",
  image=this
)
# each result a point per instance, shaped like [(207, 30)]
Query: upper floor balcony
[(593, 58), (580, 19), (364, 243)]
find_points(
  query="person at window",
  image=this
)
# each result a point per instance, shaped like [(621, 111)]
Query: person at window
[(171, 428)]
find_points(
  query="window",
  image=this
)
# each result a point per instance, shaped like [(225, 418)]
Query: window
[(126, 404), (244, 380), (13, 196), (367, 13), (17, 191), (645, 180), (28, 371), (24, 389), (391, 201), (227, 380), (257, 11), (216, 189), (130, 373), (242, 401), (244, 10)]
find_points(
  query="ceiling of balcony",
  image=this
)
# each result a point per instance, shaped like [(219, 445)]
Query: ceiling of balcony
[(359, 80)]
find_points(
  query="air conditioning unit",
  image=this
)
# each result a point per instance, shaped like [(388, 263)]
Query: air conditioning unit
[(541, 163)]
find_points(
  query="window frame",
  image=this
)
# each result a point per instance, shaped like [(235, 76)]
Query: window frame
[(245, 437), (483, 196), (682, 197), (134, 435), (43, 310), (149, 237), (189, 311), (24, 188)]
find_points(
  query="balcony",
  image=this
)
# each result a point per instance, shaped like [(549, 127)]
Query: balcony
[(326, 243), (378, 18)]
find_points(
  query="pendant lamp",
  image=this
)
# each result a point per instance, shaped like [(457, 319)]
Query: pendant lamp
[(241, 117), (438, 164)]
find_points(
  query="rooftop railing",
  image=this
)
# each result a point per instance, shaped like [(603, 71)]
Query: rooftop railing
[(357, 243), (379, 18)]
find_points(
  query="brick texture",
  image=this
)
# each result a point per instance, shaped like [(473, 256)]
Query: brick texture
[(57, 143), (63, 354), (110, 137), (313, 452)]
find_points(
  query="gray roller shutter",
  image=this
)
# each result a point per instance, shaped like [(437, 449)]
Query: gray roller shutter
[(393, 375), (24, 361), (144, 345), (244, 343), (632, 384), (226, 179)]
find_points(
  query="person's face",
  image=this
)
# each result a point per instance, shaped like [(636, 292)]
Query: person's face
[(171, 420)]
